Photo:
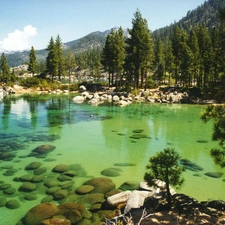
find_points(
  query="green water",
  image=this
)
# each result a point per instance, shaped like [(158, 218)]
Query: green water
[(98, 137)]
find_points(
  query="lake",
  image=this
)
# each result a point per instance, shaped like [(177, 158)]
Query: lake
[(97, 138)]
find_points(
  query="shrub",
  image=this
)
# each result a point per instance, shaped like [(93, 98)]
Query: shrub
[(30, 82)]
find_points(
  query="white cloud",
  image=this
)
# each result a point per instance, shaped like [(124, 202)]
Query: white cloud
[(18, 40)]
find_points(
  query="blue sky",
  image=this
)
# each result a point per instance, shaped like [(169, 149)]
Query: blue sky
[(26, 23)]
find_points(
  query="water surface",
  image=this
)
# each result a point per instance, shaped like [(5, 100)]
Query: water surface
[(101, 137)]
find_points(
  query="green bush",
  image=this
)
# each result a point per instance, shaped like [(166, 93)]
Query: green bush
[(30, 82), (74, 87)]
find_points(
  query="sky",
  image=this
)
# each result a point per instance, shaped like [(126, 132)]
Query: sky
[(26, 23)]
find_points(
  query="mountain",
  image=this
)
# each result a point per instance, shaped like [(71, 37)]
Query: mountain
[(206, 13), (90, 41)]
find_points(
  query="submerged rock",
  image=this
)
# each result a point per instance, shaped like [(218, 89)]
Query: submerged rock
[(101, 184), (60, 168), (40, 213), (214, 174), (111, 172), (12, 204), (33, 166), (129, 185), (190, 165), (44, 149), (27, 187), (84, 189)]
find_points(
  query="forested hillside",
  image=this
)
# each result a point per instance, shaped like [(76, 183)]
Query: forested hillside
[(206, 14)]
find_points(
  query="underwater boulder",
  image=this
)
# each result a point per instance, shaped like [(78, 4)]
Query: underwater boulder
[(129, 185), (84, 189), (60, 168), (60, 194), (27, 187), (30, 197), (33, 166), (214, 174), (39, 213), (9, 191), (40, 170), (12, 204), (44, 149), (38, 178), (101, 184), (110, 172)]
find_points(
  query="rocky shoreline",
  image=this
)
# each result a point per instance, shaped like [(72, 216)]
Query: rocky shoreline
[(97, 97), (144, 205)]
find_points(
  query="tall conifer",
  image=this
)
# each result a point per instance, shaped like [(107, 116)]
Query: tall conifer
[(59, 56), (139, 50), (51, 60), (4, 69), (33, 65)]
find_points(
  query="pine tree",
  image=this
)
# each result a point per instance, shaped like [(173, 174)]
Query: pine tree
[(70, 63), (179, 45), (60, 56), (215, 40), (106, 58), (51, 60), (139, 50), (165, 167), (158, 60), (33, 64), (168, 58), (4, 69), (118, 54), (113, 56), (193, 45), (205, 49)]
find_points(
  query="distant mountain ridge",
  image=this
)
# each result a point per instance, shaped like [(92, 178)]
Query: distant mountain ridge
[(207, 13)]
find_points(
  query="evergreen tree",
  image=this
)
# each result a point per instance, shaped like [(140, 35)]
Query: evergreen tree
[(106, 59), (158, 61), (165, 167), (5, 74), (179, 45), (215, 53), (139, 50), (59, 56), (168, 58), (33, 64), (118, 54), (113, 55), (221, 57), (70, 63), (51, 60), (205, 49), (195, 56), (222, 15)]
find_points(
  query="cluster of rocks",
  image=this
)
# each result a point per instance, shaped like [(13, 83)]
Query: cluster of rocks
[(6, 90), (101, 204), (124, 98)]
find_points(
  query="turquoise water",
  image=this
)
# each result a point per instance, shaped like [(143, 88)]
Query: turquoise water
[(98, 137)]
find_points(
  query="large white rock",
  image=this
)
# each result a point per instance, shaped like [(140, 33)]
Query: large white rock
[(119, 198), (124, 102), (82, 88), (78, 99), (85, 93), (136, 199), (116, 98), (93, 101)]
